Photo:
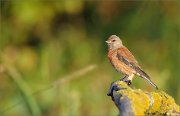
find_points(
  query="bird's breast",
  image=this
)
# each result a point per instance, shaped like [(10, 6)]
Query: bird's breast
[(118, 64)]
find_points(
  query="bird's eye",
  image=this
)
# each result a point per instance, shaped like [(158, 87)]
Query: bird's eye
[(113, 40)]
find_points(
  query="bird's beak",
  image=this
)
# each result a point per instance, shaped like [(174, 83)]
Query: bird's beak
[(107, 42)]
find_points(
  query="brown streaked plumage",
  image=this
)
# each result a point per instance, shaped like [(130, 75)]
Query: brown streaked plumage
[(123, 61)]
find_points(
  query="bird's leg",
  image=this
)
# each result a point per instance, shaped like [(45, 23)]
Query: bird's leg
[(126, 79), (123, 78), (129, 79)]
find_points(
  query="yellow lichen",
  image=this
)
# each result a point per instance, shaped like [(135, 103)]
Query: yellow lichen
[(157, 102), (139, 104), (163, 103), (140, 101)]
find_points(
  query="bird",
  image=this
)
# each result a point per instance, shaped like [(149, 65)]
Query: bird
[(124, 61)]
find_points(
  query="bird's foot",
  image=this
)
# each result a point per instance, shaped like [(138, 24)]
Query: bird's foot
[(125, 79), (128, 82)]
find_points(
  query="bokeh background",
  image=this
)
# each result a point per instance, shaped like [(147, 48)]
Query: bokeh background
[(53, 55)]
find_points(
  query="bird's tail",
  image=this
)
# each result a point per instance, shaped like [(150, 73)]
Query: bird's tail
[(146, 77)]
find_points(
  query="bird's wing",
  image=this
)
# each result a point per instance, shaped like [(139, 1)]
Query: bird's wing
[(126, 56)]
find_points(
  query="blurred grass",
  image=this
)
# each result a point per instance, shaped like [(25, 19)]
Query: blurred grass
[(25, 91), (47, 40)]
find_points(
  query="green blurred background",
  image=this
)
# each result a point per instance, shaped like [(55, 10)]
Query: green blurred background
[(53, 55)]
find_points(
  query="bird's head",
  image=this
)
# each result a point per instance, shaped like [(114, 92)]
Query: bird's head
[(114, 42)]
